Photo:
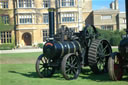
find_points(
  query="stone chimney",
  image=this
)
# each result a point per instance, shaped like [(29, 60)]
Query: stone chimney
[(112, 5), (116, 5)]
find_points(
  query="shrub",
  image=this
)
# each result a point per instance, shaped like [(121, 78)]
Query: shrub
[(40, 45), (114, 37), (115, 40), (105, 34), (7, 46)]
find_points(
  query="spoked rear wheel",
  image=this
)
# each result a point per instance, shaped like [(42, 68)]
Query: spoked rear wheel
[(42, 67), (114, 67), (99, 52), (70, 66)]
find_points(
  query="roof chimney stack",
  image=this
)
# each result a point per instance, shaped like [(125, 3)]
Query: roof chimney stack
[(116, 5)]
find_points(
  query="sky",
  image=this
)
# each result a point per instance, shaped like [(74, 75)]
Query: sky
[(99, 4)]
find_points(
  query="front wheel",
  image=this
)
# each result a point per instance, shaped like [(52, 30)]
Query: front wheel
[(42, 67), (115, 69), (70, 66)]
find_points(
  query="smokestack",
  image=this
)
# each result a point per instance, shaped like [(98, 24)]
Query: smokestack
[(116, 5), (51, 23), (112, 5), (126, 7)]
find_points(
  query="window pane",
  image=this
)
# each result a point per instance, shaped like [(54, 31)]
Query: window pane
[(5, 19), (3, 3), (106, 17), (68, 17), (107, 27), (5, 37), (25, 19), (26, 3), (67, 3), (46, 3), (45, 18), (45, 34)]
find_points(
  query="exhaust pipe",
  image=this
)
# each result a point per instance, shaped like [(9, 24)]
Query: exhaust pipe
[(51, 23)]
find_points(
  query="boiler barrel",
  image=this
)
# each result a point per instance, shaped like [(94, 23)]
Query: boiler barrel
[(53, 49)]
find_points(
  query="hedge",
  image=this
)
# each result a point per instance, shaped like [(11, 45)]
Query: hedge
[(114, 37), (40, 45), (7, 46)]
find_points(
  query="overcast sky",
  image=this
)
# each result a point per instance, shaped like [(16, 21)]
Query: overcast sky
[(98, 4)]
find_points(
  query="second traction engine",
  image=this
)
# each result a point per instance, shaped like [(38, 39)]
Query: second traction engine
[(118, 61)]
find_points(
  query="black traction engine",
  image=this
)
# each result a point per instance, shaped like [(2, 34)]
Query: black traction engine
[(118, 61), (70, 51)]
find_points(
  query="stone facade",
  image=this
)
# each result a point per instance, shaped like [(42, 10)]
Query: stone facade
[(110, 18), (106, 19), (32, 18), (7, 22), (122, 20)]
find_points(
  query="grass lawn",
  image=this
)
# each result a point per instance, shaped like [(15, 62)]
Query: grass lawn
[(19, 69)]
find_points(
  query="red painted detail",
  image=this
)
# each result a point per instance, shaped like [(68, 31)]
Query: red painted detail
[(118, 71), (48, 44)]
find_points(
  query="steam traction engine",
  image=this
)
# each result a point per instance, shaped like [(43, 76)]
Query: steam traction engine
[(118, 61), (70, 51)]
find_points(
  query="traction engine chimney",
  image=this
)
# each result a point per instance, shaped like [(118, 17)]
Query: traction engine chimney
[(51, 23)]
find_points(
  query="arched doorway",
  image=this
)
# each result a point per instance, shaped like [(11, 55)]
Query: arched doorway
[(27, 38)]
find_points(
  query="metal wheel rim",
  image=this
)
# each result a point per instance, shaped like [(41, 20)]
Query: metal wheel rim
[(72, 67), (43, 69), (101, 55)]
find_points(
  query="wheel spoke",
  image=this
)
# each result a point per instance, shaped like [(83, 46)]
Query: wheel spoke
[(73, 60), (71, 67), (41, 64), (42, 61), (42, 67), (68, 70), (68, 64), (105, 48), (45, 59)]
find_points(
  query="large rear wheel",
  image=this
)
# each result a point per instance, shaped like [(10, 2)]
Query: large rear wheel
[(98, 54), (114, 67)]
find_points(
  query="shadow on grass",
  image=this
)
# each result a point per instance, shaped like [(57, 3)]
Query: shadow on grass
[(35, 75), (29, 74), (104, 77), (86, 74)]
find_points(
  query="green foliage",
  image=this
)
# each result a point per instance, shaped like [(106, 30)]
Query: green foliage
[(113, 37), (115, 40), (40, 45), (7, 46), (6, 27), (105, 34)]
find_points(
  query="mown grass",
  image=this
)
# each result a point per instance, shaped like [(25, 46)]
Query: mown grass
[(23, 73), (115, 49)]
